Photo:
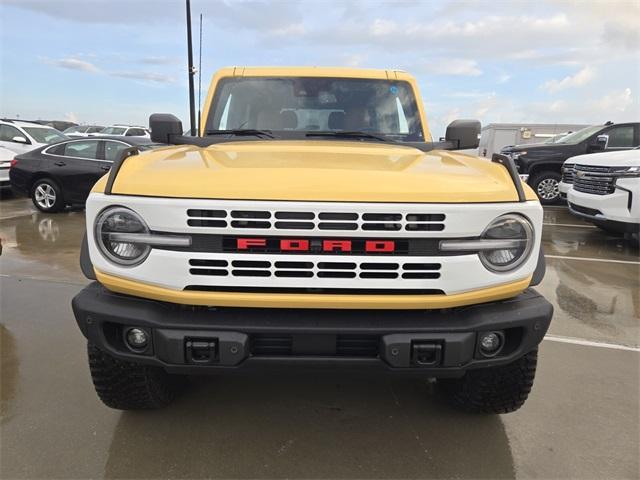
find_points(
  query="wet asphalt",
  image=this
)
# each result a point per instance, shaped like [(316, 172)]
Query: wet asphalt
[(581, 420)]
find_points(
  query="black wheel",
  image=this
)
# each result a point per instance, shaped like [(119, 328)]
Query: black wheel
[(501, 389), (129, 386), (547, 186), (47, 196)]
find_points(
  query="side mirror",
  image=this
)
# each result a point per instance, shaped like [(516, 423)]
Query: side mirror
[(163, 126), (19, 139), (600, 144), (463, 134)]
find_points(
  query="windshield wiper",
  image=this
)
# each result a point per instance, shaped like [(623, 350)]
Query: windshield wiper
[(243, 132), (349, 134)]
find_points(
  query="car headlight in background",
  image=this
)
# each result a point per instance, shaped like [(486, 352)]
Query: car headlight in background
[(110, 226), (504, 245), (515, 155), (626, 172)]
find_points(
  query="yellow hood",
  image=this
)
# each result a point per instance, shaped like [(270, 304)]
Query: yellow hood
[(322, 170)]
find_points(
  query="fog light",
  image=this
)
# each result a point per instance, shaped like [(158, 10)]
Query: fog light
[(137, 338), (490, 343)]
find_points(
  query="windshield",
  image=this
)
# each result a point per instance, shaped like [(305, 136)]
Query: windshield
[(44, 135), (77, 129), (113, 131), (150, 146), (310, 104), (557, 138), (580, 135)]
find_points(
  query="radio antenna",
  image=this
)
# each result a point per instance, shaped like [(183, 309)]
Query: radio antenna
[(192, 107), (200, 80)]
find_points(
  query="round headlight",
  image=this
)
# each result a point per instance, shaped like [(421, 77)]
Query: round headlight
[(517, 230), (116, 222)]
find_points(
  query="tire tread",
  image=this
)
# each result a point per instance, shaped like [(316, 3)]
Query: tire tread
[(498, 390), (128, 386)]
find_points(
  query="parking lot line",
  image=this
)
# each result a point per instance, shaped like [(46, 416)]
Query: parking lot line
[(568, 225), (590, 343), (590, 259)]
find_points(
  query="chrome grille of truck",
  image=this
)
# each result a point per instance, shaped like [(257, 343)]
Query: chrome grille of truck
[(568, 172), (321, 221), (309, 269), (594, 180)]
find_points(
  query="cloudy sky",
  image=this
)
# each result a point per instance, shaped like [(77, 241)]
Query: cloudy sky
[(106, 61)]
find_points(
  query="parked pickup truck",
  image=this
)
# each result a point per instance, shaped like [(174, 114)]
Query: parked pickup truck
[(541, 165), (313, 223), (605, 190)]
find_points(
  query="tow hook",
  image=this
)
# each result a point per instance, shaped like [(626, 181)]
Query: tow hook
[(426, 354), (201, 351)]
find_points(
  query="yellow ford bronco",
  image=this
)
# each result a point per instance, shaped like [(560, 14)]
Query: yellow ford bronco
[(313, 223)]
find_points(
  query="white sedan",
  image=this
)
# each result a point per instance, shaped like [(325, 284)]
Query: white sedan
[(6, 156), (22, 137)]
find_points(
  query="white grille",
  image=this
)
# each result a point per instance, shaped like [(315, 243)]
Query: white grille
[(304, 268), (308, 221)]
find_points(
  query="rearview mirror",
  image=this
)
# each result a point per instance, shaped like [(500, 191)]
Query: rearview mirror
[(463, 134), (19, 139), (163, 126), (600, 144)]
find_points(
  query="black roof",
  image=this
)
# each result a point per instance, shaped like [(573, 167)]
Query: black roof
[(129, 140)]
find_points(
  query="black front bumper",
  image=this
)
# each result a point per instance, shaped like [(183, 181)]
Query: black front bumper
[(200, 340)]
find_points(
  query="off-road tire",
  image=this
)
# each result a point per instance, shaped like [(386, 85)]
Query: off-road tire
[(51, 186), (129, 386), (546, 176), (501, 389)]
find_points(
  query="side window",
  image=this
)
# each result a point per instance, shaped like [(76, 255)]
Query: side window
[(87, 149), (135, 132), (225, 114), (403, 126), (7, 132), (112, 150), (94, 129), (57, 150), (620, 137)]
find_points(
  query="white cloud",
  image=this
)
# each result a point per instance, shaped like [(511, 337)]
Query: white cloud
[(353, 60), (71, 117), (619, 20), (617, 101), (452, 66), (70, 63), (293, 29), (159, 60), (504, 78), (579, 79), (618, 105), (145, 76)]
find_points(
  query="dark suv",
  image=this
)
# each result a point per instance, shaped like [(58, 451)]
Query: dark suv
[(540, 164)]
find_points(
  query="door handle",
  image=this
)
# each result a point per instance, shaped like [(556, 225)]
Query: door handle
[(60, 164), (105, 168)]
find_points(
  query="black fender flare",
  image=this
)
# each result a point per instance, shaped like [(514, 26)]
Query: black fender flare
[(85, 260), (540, 270)]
